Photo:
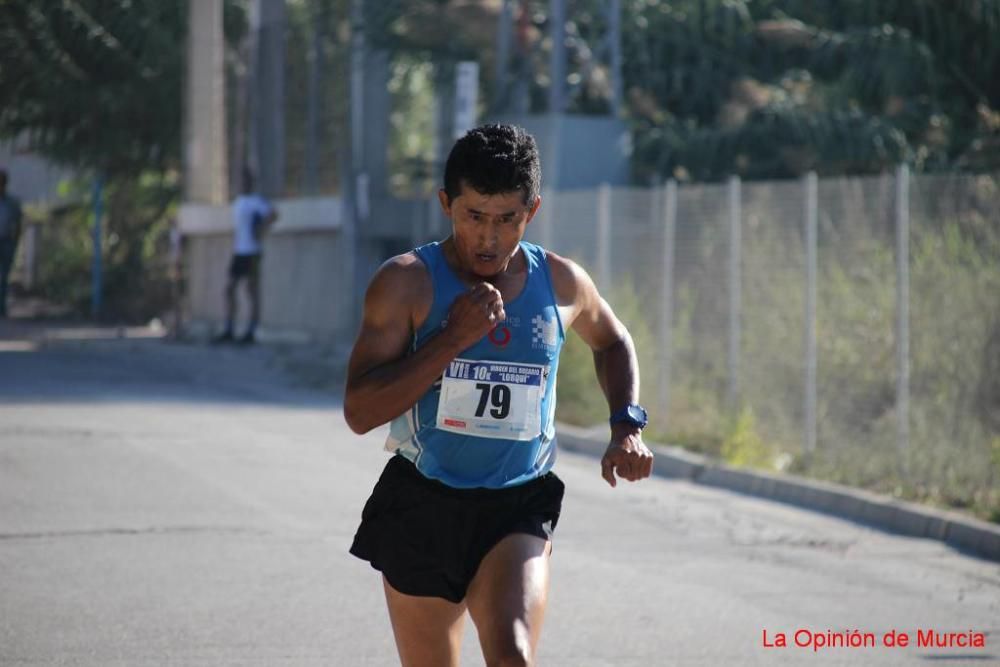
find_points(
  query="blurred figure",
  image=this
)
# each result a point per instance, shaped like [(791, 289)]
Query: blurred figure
[(252, 216), (10, 232)]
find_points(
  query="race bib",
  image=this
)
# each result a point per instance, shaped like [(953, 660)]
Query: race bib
[(492, 399)]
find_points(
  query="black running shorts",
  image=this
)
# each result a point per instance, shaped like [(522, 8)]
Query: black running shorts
[(244, 266), (428, 538)]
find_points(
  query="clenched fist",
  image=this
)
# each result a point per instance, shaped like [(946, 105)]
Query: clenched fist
[(474, 313)]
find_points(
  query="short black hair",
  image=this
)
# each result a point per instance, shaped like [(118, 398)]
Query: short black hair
[(494, 159)]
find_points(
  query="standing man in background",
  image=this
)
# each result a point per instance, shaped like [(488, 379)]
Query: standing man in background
[(10, 232), (252, 216)]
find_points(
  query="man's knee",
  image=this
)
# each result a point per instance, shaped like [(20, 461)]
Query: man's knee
[(511, 651), (515, 657)]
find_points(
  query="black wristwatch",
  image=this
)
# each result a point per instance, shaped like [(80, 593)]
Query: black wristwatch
[(633, 414)]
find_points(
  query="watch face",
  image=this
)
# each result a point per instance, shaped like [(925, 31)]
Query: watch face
[(637, 413)]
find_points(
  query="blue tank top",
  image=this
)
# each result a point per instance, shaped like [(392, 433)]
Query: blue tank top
[(489, 420)]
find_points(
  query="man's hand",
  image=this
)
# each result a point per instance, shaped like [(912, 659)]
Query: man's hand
[(627, 455), (474, 313)]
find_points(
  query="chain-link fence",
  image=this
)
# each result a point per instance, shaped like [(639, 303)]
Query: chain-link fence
[(848, 326), (287, 94)]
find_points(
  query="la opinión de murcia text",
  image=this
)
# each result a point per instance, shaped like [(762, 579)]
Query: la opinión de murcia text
[(819, 640)]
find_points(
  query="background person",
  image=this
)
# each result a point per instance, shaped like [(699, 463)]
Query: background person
[(252, 216), (10, 233)]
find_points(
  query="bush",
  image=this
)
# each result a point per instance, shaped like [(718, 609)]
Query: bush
[(136, 222)]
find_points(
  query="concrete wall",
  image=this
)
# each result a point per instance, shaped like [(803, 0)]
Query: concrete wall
[(306, 289), (33, 179)]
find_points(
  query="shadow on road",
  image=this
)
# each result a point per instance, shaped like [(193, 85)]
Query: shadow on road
[(43, 361)]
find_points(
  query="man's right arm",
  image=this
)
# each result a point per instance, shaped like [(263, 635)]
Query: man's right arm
[(383, 381)]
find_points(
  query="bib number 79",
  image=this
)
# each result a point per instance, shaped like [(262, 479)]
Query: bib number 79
[(498, 395)]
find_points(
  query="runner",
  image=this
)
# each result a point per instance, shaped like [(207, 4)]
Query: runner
[(459, 350)]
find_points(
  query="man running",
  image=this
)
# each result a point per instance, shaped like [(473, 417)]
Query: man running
[(459, 350)]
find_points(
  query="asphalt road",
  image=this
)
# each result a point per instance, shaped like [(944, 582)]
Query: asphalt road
[(165, 504)]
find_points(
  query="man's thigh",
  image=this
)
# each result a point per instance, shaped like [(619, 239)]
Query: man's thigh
[(428, 630), (508, 596)]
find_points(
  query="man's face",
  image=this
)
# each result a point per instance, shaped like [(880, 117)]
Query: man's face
[(487, 228)]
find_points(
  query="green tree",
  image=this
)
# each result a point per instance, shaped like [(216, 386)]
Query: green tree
[(96, 85), (773, 88)]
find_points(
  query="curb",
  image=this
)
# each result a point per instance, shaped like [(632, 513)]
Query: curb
[(967, 534)]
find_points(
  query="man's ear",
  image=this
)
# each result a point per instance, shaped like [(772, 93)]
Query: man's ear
[(534, 208), (445, 204)]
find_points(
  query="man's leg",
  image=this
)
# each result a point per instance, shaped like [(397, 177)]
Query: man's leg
[(253, 292), (230, 301), (6, 264), (428, 630), (507, 599)]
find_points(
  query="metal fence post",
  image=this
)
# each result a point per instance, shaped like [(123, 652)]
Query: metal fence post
[(547, 214), (902, 210), (557, 56), (811, 215), (735, 292), (29, 265), (667, 290), (604, 237), (96, 282)]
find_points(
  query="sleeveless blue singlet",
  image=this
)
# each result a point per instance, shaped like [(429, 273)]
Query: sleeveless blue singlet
[(496, 382)]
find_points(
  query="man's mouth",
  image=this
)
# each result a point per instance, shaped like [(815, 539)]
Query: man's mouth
[(486, 257)]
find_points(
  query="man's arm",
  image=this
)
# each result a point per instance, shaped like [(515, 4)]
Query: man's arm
[(18, 214), (270, 213), (383, 381), (615, 361), (265, 217)]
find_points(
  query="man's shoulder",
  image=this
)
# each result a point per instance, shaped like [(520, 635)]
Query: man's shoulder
[(569, 280), (563, 269), (251, 199), (402, 277)]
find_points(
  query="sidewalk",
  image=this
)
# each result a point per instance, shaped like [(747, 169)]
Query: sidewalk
[(965, 533)]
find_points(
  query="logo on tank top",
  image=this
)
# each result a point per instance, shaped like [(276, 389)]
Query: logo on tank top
[(500, 336), (543, 332)]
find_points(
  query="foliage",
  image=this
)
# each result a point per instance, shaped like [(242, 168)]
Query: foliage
[(763, 88), (411, 125), (953, 456), (743, 445), (134, 248), (772, 89), (316, 54), (581, 400), (94, 84), (97, 86)]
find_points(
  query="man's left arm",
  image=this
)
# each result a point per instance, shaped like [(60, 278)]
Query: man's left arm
[(18, 215), (615, 362)]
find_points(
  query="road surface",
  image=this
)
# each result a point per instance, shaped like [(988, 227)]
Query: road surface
[(167, 504)]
